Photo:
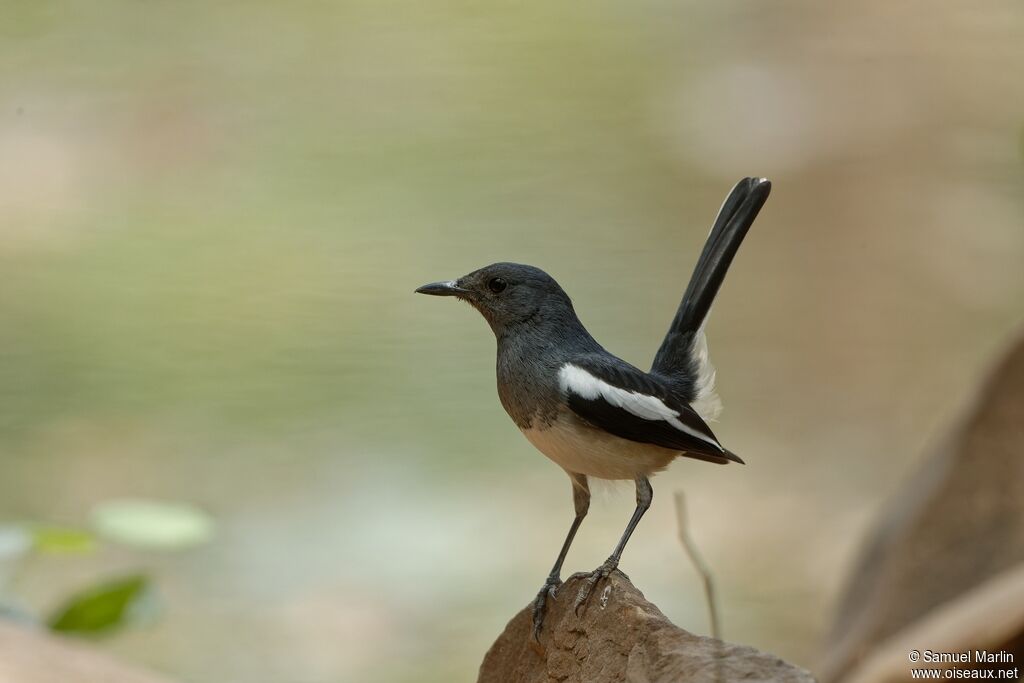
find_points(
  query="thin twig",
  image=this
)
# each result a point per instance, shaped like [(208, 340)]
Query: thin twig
[(705, 574), (698, 563)]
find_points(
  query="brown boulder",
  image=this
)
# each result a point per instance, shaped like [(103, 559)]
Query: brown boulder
[(620, 637), (944, 567)]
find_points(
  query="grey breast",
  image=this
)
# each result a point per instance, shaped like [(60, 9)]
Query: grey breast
[(527, 372)]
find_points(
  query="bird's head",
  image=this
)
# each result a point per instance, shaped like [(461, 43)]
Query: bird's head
[(507, 294)]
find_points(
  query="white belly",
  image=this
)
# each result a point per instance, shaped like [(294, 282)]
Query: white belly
[(578, 447)]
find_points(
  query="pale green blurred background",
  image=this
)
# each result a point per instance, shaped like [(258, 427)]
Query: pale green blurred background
[(213, 215)]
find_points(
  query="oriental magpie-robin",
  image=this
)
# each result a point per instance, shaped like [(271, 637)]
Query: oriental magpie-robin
[(592, 413)]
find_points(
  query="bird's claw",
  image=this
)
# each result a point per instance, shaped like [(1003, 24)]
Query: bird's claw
[(550, 588), (590, 580)]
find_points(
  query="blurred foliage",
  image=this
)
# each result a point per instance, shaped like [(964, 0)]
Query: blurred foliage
[(100, 609), (61, 540), (112, 603), (151, 524)]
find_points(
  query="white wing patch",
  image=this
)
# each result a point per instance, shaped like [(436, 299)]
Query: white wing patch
[(574, 379)]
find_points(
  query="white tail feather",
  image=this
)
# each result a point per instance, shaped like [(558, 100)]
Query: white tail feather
[(707, 404)]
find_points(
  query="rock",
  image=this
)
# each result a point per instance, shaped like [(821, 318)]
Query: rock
[(33, 656), (944, 568), (620, 636)]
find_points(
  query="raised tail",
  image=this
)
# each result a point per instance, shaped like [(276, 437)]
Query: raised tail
[(682, 357)]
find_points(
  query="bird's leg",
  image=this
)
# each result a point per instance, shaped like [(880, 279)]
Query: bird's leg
[(644, 495), (581, 501)]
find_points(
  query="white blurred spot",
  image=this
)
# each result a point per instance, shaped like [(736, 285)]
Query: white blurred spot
[(15, 542)]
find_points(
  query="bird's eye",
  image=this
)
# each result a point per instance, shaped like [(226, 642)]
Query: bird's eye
[(497, 285)]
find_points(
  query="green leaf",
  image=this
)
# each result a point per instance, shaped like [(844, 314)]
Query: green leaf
[(152, 524), (62, 540), (100, 609)]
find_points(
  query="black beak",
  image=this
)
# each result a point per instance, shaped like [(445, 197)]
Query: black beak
[(448, 288)]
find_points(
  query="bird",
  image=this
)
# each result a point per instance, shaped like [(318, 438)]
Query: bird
[(592, 413)]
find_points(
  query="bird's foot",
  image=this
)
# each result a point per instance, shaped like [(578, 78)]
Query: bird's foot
[(550, 588), (590, 580)]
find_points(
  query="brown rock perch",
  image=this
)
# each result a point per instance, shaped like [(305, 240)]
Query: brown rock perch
[(620, 637)]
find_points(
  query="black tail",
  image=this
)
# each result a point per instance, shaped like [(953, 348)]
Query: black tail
[(734, 219)]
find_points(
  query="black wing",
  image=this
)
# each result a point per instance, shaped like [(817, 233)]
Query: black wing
[(622, 400)]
